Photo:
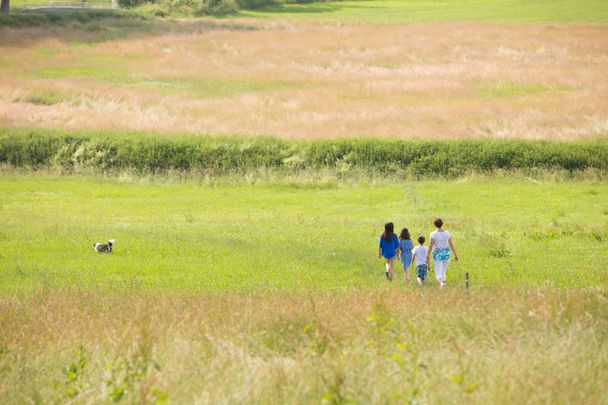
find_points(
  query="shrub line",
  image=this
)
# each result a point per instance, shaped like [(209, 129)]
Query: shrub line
[(209, 155)]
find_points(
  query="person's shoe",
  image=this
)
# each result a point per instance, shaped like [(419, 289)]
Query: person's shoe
[(388, 276)]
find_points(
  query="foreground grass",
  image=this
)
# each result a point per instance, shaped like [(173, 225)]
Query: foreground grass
[(194, 237), (363, 346)]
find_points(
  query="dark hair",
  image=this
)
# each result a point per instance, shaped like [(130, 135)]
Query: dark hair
[(389, 231), (421, 239), (405, 234), (438, 222)]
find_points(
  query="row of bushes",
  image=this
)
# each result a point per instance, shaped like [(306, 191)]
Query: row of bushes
[(200, 7), (140, 9), (164, 8), (221, 155)]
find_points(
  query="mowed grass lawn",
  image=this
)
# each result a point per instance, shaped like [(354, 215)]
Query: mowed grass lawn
[(235, 237), (408, 11), (412, 11), (272, 293)]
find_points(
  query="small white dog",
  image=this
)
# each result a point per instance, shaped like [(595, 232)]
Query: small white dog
[(104, 247)]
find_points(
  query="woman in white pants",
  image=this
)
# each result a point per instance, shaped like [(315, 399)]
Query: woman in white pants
[(441, 242)]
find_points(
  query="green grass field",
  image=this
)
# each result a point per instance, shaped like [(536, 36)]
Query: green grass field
[(186, 237)]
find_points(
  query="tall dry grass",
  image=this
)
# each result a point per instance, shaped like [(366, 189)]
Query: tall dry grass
[(299, 79), (381, 346)]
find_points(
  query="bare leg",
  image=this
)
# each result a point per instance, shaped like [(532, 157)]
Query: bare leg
[(420, 282), (389, 270), (407, 275)]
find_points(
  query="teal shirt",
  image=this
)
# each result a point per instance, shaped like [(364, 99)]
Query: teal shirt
[(406, 247)]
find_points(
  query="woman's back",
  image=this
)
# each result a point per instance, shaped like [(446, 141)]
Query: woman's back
[(441, 239)]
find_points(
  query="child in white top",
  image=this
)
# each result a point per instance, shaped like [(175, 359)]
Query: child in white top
[(441, 242), (421, 252)]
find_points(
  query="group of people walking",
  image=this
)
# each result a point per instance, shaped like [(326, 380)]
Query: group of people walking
[(392, 247)]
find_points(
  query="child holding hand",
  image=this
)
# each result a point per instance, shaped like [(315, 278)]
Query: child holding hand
[(405, 245), (421, 252)]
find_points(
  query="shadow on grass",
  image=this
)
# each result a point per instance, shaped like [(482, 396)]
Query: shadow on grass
[(309, 7), (95, 26)]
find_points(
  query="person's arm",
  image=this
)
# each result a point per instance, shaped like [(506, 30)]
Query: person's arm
[(411, 256), (453, 248), (428, 252)]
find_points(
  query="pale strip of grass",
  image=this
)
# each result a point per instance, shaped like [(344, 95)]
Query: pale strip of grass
[(370, 346), (522, 89), (213, 88)]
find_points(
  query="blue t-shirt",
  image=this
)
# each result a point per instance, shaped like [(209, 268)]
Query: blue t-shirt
[(389, 248), (406, 247)]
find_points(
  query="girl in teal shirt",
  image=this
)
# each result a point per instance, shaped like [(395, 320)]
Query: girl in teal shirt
[(406, 246)]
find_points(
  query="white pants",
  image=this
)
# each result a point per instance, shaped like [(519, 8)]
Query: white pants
[(441, 267)]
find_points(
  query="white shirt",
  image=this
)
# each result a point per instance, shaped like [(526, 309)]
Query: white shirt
[(441, 239), (420, 253)]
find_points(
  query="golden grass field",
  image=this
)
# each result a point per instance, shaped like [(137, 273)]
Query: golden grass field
[(307, 79), (541, 346)]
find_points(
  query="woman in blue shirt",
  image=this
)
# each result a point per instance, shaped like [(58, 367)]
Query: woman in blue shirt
[(406, 246), (388, 248)]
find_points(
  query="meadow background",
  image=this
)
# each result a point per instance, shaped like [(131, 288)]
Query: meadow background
[(405, 69), (245, 163), (229, 235)]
